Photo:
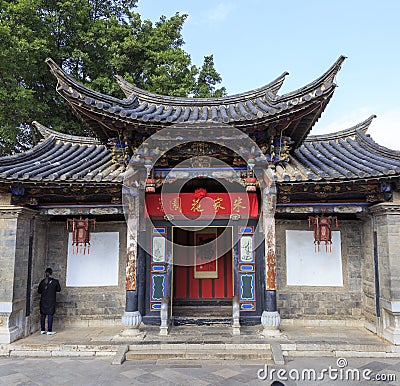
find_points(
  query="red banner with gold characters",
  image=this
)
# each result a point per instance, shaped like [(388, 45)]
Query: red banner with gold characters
[(195, 205)]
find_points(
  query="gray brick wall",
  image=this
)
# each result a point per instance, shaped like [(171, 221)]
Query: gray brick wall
[(40, 230), (86, 305), (21, 259), (14, 252), (8, 234), (368, 270), (387, 217)]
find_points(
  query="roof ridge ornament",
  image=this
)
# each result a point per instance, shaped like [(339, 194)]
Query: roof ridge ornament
[(130, 90), (359, 127), (47, 133), (321, 84), (64, 80)]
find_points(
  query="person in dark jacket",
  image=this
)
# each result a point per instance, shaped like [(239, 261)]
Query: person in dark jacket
[(48, 288)]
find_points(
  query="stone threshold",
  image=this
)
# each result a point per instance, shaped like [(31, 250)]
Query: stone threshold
[(323, 322)]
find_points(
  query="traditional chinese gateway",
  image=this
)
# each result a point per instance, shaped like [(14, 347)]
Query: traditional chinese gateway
[(220, 210)]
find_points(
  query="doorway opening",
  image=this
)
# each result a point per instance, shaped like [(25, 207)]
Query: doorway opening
[(202, 272)]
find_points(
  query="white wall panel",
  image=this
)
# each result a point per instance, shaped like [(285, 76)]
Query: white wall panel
[(100, 267), (309, 268)]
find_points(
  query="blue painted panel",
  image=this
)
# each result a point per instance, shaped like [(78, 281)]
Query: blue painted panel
[(248, 268), (246, 230), (158, 268), (161, 230), (158, 286), (156, 306), (247, 290), (247, 306)]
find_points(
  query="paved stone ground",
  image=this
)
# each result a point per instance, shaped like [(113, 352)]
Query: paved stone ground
[(99, 371), (199, 334)]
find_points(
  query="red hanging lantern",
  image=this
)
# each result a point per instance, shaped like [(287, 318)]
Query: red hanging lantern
[(81, 233), (251, 184), (150, 185), (323, 230)]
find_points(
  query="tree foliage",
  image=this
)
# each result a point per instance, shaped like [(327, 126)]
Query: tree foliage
[(92, 40), (208, 79)]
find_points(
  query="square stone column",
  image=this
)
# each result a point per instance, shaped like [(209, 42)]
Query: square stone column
[(14, 253), (387, 227)]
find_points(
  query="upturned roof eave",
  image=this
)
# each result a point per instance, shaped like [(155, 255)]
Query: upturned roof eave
[(46, 133), (362, 126), (66, 81), (326, 80), (70, 88)]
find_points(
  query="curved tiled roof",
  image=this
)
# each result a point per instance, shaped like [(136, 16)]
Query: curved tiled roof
[(46, 132), (62, 158), (144, 109), (347, 155), (145, 96)]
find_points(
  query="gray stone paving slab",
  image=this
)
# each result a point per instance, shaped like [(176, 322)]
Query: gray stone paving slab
[(99, 371)]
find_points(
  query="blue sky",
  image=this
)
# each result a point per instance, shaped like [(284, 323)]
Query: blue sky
[(254, 41)]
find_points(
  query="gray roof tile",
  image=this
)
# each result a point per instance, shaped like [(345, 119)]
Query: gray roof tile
[(258, 106), (341, 156)]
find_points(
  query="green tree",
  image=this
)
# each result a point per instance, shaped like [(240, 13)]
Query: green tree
[(92, 40), (208, 79)]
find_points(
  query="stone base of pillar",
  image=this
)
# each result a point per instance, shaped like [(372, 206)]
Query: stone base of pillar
[(164, 330), (9, 335), (235, 316), (132, 320), (9, 332), (235, 330), (271, 322), (165, 316), (392, 334), (390, 321)]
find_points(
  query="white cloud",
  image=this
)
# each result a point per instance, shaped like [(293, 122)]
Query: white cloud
[(384, 129), (220, 12)]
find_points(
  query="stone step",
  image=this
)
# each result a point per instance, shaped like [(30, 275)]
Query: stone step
[(186, 346), (339, 349), (206, 352), (200, 321), (186, 350), (202, 311), (58, 350)]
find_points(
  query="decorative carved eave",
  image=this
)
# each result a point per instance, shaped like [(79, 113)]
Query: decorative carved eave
[(260, 110)]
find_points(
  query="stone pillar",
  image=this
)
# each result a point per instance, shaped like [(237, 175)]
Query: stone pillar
[(132, 317), (14, 255), (386, 218), (270, 318)]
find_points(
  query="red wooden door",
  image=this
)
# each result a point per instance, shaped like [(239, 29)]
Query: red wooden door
[(186, 286)]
